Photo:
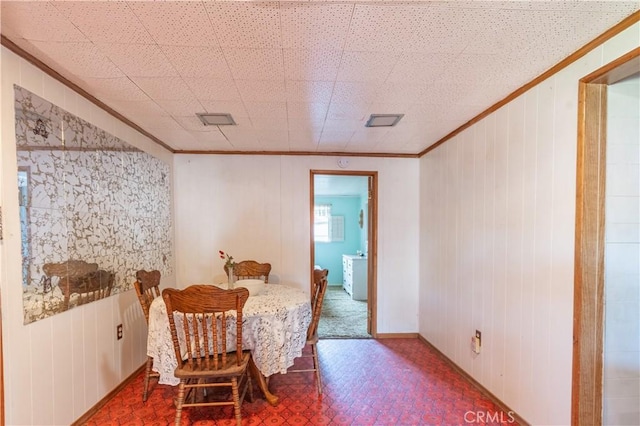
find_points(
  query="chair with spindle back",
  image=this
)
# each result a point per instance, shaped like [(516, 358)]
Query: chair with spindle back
[(318, 290), (248, 269), (200, 317), (147, 287)]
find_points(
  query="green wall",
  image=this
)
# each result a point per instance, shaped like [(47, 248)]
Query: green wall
[(329, 255)]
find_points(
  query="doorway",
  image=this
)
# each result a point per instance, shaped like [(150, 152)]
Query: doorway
[(343, 239), (591, 287)]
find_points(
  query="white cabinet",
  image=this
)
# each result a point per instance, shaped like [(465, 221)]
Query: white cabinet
[(354, 276)]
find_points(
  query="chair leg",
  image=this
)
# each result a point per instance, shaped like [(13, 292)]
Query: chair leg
[(236, 400), (316, 366), (250, 386), (179, 402), (147, 374)]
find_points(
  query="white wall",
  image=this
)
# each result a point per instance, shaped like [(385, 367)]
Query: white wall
[(621, 403), (257, 207), (58, 368), (497, 243)]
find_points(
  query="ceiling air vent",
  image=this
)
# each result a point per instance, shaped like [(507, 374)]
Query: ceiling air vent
[(216, 119), (383, 120)]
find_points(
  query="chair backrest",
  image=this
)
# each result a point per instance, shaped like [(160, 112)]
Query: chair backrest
[(147, 287), (205, 341), (250, 269), (95, 285), (319, 288)]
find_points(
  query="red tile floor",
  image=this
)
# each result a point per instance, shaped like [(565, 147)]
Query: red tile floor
[(366, 382)]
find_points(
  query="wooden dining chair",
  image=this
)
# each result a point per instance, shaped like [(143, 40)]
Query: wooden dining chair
[(147, 287), (201, 314), (248, 269), (318, 290)]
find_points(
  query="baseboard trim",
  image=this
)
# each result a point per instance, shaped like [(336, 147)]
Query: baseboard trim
[(504, 407), (93, 410), (396, 335)]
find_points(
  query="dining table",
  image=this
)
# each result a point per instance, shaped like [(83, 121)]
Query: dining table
[(274, 329)]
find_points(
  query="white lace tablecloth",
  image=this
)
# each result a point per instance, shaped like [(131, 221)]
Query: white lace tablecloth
[(275, 325)]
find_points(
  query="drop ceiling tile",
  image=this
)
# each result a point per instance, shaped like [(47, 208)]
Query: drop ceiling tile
[(309, 91), (420, 67), (361, 145), (81, 59), (255, 64), (275, 134), (266, 110), (303, 143), (193, 123), (301, 28), (399, 92), (311, 64), (106, 22), (182, 139), (143, 111), (120, 88), (384, 27), (262, 91), (180, 23), (235, 108), (354, 92), (334, 140), (304, 125), (213, 140), (274, 143), (367, 66), (272, 125), (139, 60), (213, 89), (198, 61), (242, 137), (445, 29), (307, 110), (38, 21), (181, 108), (246, 24), (343, 125), (346, 111), (164, 88), (167, 125)]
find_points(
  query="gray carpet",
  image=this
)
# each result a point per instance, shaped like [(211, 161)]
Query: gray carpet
[(342, 318)]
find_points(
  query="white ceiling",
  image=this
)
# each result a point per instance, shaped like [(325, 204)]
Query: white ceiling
[(304, 76)]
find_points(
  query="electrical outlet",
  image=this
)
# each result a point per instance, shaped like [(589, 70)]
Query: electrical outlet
[(476, 342), (119, 331)]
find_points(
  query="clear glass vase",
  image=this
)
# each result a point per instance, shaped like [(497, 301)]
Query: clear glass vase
[(231, 278)]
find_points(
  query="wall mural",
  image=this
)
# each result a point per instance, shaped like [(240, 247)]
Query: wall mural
[(93, 209)]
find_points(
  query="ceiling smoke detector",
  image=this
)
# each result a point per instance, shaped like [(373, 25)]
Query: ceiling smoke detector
[(216, 119), (383, 120)]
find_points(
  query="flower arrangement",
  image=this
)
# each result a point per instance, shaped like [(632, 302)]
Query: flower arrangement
[(229, 263)]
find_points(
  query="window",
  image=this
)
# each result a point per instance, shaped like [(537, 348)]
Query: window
[(322, 222), (326, 227)]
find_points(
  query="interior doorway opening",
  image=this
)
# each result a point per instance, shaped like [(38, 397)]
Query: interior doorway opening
[(343, 240)]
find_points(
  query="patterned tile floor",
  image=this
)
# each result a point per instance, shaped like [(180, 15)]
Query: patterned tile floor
[(366, 382)]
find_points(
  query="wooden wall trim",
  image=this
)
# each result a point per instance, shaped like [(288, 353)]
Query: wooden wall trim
[(588, 303), (301, 153), (504, 407), (108, 397), (613, 31), (372, 300), (586, 397)]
